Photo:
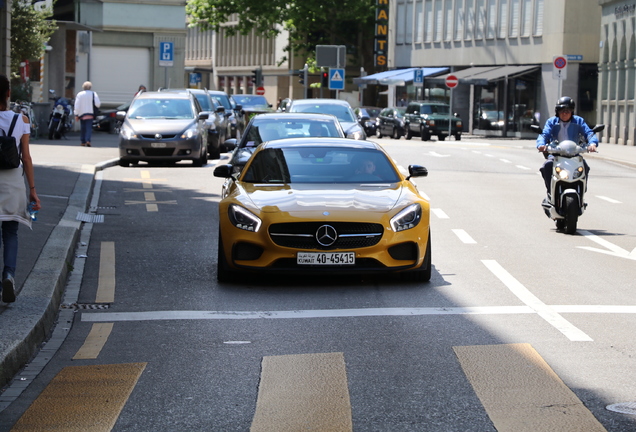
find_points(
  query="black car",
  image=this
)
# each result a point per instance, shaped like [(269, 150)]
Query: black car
[(391, 122), (367, 117), (253, 104), (237, 122), (106, 120), (425, 119)]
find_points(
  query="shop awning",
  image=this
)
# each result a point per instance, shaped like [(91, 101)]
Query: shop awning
[(482, 75), (396, 76)]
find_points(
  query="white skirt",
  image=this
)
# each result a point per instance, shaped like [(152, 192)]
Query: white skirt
[(13, 197)]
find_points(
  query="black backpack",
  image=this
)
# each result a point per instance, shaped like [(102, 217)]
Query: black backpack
[(9, 157)]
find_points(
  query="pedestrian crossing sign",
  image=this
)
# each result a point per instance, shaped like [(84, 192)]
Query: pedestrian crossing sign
[(336, 78)]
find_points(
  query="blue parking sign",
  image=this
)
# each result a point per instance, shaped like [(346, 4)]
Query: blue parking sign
[(166, 54)]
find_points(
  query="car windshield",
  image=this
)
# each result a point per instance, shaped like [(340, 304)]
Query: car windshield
[(399, 112), (161, 109), (223, 100), (320, 165), (343, 112), (263, 130), (370, 112), (435, 109), (204, 101), (250, 100)]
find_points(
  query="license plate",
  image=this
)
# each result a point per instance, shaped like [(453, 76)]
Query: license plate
[(158, 145), (326, 258)]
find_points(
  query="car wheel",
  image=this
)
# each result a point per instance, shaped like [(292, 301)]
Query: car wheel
[(423, 274), (425, 135), (396, 134), (409, 134), (458, 137), (441, 137), (379, 133), (123, 163), (223, 273), (215, 153)]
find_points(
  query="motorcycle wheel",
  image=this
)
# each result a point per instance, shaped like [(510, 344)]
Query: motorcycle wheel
[(571, 214), (51, 131)]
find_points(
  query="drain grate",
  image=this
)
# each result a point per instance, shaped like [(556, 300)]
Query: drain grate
[(623, 408), (91, 218), (77, 306)]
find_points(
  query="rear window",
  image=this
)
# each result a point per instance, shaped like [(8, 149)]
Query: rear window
[(268, 130)]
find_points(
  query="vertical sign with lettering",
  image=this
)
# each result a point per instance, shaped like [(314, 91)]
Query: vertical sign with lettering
[(381, 33)]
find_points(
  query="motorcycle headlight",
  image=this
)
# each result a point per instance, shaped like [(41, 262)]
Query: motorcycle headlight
[(190, 133), (579, 172), (243, 219), (128, 133), (407, 218), (563, 174)]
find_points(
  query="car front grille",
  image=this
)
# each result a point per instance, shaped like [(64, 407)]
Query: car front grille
[(153, 137), (167, 151), (302, 235)]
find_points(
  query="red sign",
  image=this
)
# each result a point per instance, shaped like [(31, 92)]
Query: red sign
[(260, 91), (451, 81), (560, 62)]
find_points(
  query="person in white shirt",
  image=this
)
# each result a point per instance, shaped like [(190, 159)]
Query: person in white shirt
[(85, 113)]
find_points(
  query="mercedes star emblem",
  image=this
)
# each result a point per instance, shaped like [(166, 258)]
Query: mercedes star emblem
[(326, 235)]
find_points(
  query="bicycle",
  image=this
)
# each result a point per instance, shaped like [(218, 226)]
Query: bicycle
[(27, 109)]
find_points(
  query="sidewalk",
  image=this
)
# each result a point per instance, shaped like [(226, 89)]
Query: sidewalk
[(64, 176)]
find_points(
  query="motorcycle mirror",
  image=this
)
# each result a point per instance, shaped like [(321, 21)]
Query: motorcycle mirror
[(535, 128), (598, 128)]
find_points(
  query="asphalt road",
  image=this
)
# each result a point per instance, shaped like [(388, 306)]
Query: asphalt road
[(521, 327)]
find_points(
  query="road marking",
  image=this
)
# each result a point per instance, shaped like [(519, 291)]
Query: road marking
[(488, 155), (614, 250), (94, 342), (523, 167), (303, 392), (611, 200), (146, 182), (544, 311), (463, 236), (433, 153), (505, 160), (521, 392), (82, 398), (439, 213), (106, 280)]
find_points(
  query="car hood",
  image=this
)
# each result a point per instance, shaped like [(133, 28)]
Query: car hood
[(160, 126), (317, 198)]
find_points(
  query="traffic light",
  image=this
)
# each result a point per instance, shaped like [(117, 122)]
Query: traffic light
[(301, 76), (324, 79), (257, 77)]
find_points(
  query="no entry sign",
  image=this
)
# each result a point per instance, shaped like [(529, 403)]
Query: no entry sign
[(260, 91), (451, 81)]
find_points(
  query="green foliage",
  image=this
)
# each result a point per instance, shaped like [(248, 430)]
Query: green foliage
[(30, 30), (310, 23)]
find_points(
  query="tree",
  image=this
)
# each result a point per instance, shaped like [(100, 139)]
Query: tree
[(310, 23), (30, 30)]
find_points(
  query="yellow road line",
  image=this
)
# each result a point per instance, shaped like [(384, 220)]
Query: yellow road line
[(106, 280), (303, 392), (521, 393), (82, 399), (94, 342)]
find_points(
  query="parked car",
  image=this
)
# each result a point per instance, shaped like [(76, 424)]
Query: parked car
[(163, 127), (236, 119), (391, 122), (367, 117), (252, 104), (106, 120), (425, 119), (323, 206), (340, 108), (282, 107), (267, 127)]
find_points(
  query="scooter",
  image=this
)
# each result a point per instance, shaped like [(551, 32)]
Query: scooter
[(566, 201), (61, 118)]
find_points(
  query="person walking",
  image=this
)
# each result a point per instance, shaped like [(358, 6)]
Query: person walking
[(86, 102), (13, 194)]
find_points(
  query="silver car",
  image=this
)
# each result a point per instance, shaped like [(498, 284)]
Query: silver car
[(339, 108), (163, 127)]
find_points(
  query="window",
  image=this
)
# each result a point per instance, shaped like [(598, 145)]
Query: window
[(428, 21), (503, 18), (492, 19), (408, 37), (400, 23), (526, 24), (514, 18), (459, 19), (439, 23), (419, 23), (480, 19), (448, 14), (470, 19), (538, 18)]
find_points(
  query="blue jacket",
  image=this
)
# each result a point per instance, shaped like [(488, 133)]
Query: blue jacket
[(577, 126)]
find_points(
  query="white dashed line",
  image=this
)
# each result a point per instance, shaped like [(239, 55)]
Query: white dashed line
[(463, 236), (611, 200), (439, 213)]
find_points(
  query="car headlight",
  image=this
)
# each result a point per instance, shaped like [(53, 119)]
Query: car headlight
[(407, 218), (244, 219), (458, 124), (190, 133), (128, 133), (355, 133)]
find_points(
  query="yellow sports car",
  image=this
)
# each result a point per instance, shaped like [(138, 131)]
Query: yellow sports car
[(323, 204)]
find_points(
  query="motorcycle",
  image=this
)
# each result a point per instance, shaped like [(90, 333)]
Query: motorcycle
[(568, 184), (61, 118)]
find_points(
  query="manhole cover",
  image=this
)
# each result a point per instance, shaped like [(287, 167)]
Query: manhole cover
[(623, 408)]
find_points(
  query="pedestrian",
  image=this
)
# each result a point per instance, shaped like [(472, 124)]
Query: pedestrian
[(86, 103), (13, 194)]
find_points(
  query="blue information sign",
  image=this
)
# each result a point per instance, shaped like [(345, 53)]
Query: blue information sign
[(336, 78), (166, 54)]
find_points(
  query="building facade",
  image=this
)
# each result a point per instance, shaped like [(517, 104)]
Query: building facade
[(617, 72), (511, 46)]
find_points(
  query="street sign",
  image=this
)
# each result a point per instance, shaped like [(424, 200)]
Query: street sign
[(336, 78), (451, 81), (260, 91), (166, 54), (560, 67), (418, 77), (331, 56)]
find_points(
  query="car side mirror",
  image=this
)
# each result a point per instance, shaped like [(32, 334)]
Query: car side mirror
[(364, 119), (220, 110), (230, 144), (120, 115), (417, 171), (223, 171), (238, 107), (204, 115)]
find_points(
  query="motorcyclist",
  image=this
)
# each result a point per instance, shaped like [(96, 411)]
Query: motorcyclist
[(564, 126)]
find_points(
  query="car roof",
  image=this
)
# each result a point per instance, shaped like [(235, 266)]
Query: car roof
[(164, 95), (290, 116), (322, 142), (320, 102)]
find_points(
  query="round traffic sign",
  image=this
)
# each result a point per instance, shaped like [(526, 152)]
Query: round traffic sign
[(260, 91), (560, 62), (451, 81)]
